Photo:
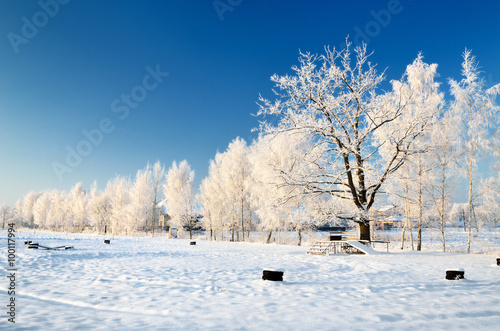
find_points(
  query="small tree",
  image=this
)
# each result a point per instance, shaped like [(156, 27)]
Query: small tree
[(179, 193), (41, 210), (27, 208), (237, 181), (158, 178), (141, 199), (118, 190), (213, 199), (100, 208), (6, 215), (77, 201)]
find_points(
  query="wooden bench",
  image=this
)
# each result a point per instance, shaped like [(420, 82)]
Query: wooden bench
[(342, 236)]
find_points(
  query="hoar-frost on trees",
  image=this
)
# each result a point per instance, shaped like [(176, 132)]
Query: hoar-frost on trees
[(477, 115), (334, 100)]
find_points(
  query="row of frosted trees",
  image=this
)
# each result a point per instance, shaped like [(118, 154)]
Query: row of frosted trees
[(124, 206), (334, 145), (459, 143)]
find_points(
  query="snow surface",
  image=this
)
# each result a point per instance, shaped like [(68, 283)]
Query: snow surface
[(156, 283), (365, 249)]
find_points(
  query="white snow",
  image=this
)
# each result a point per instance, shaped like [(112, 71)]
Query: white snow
[(365, 249), (157, 283)]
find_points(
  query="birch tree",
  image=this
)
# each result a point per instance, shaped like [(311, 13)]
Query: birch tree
[(424, 105), (477, 113), (59, 211), (441, 179), (237, 181), (335, 99), (488, 210), (99, 208), (141, 195), (27, 208), (118, 191), (178, 190), (6, 215), (158, 178), (77, 201), (213, 199), (41, 210)]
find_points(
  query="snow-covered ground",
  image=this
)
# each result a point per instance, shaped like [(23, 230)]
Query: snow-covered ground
[(156, 283)]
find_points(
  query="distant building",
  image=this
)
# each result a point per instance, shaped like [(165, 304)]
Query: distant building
[(387, 217)]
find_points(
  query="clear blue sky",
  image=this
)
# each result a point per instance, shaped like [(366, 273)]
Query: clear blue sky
[(64, 70)]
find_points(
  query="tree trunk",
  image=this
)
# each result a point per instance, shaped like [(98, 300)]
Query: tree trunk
[(463, 220), (420, 204), (242, 220), (443, 239), (469, 227), (411, 234), (269, 236), (407, 205), (300, 237), (403, 236), (153, 220), (364, 231), (443, 196)]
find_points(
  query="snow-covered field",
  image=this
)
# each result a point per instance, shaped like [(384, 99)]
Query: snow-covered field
[(157, 283)]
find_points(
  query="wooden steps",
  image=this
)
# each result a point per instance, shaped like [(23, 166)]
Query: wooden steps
[(336, 247), (320, 248)]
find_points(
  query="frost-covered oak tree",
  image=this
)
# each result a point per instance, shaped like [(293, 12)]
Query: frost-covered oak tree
[(334, 99)]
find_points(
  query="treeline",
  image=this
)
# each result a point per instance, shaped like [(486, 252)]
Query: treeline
[(336, 147)]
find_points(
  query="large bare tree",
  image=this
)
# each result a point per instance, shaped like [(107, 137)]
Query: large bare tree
[(361, 136)]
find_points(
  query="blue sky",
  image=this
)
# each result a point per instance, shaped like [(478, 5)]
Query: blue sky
[(68, 68)]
